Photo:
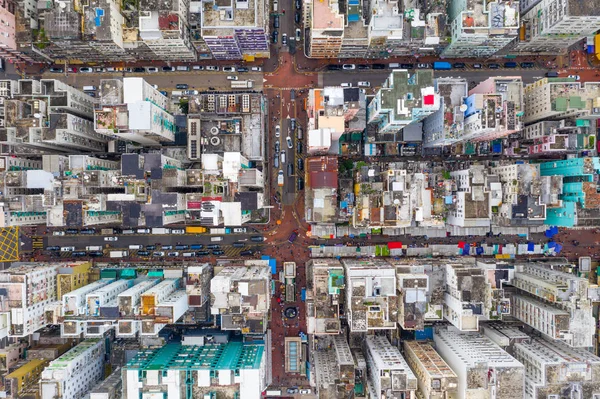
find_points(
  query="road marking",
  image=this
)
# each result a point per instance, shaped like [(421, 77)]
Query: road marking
[(9, 244)]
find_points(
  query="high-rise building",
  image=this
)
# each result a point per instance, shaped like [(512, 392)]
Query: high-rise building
[(479, 28), (484, 370), (552, 26), (230, 30), (435, 378)]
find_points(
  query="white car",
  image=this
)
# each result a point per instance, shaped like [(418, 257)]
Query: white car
[(576, 77), (58, 233), (86, 70), (111, 238), (305, 392), (346, 85), (256, 69), (228, 69), (277, 131), (288, 140), (143, 231), (178, 231), (198, 67), (348, 67), (231, 77), (151, 69), (212, 68), (298, 35), (364, 84)]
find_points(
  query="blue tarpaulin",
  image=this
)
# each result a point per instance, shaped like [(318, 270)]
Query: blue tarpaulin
[(558, 248), (530, 246), (551, 244), (497, 148), (425, 334), (272, 263), (479, 250), (551, 232), (466, 249)]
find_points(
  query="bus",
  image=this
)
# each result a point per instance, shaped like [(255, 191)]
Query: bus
[(442, 66)]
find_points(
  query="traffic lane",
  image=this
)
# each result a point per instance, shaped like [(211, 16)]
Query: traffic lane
[(201, 80), (124, 241), (289, 188), (377, 76)]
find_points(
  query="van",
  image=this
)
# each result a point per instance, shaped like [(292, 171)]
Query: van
[(292, 94), (89, 88), (136, 247), (238, 245), (275, 5), (299, 133), (282, 157), (176, 93), (290, 169), (189, 254), (510, 64), (67, 249), (93, 248), (394, 65), (214, 239), (276, 161), (276, 21), (183, 68), (257, 238)]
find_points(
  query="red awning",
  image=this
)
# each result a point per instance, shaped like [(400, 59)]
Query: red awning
[(461, 244), (394, 245)]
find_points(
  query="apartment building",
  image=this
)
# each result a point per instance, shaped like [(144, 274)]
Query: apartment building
[(75, 373), (376, 29), (483, 119), (334, 112), (230, 31), (474, 193), (553, 369), (435, 378), (163, 27), (405, 99), (546, 301), (389, 375), (480, 29), (371, 295), (9, 49), (320, 194), (413, 296), (548, 26), (334, 367), (579, 198), (446, 125), (559, 98), (133, 110), (483, 369), (324, 296), (47, 116), (525, 195), (110, 388), (242, 298), (237, 366)]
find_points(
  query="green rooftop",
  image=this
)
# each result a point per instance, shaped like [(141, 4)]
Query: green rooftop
[(64, 360), (234, 355)]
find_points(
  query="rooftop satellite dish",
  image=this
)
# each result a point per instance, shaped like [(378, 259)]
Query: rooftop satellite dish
[(463, 107), (215, 140), (214, 130), (396, 201), (62, 4), (37, 115)]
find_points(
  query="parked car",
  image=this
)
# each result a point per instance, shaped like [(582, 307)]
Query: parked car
[(288, 140), (99, 69), (53, 248), (274, 36), (58, 233), (477, 66), (493, 66), (202, 253), (56, 70), (527, 64), (168, 69), (139, 70), (242, 69), (298, 5), (181, 86), (256, 69), (299, 147), (158, 253), (407, 66), (300, 164), (190, 92), (576, 77), (284, 39), (86, 70), (143, 231), (229, 69), (277, 131), (300, 184), (297, 18), (178, 231), (423, 66), (150, 247), (334, 67), (72, 69), (212, 68), (238, 245), (348, 67), (348, 84), (173, 254), (363, 66), (458, 65), (290, 169), (166, 247), (72, 231), (247, 253), (378, 66), (364, 84), (198, 67), (276, 21), (218, 252), (277, 147), (213, 246), (183, 68)]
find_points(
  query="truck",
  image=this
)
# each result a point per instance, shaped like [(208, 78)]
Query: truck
[(107, 232), (195, 229), (176, 93), (442, 66), (280, 178), (160, 230), (241, 84), (225, 230), (118, 254), (93, 248)]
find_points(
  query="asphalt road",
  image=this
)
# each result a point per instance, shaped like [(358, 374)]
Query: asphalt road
[(378, 76), (200, 80)]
